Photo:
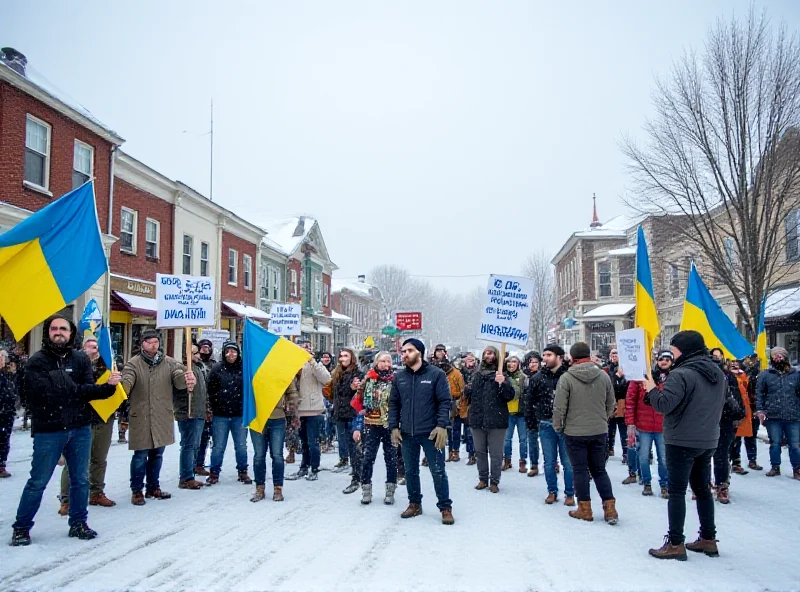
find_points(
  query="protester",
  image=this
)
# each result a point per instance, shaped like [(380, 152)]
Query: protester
[(691, 401), (150, 378), (732, 414), (617, 423), (530, 366), (516, 416), (488, 396), (779, 409), (748, 428), (58, 386), (190, 413), (455, 380), (584, 402), (329, 427), (345, 382), (461, 422), (8, 411), (206, 349), (419, 413), (226, 400)]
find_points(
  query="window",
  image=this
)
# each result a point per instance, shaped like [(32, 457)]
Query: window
[(731, 254), (604, 278), (188, 247), (82, 164), (204, 259), (325, 289), (673, 281), (127, 231), (151, 236), (627, 273), (247, 264), (293, 281), (275, 283), (792, 247), (37, 152), (317, 292), (233, 266)]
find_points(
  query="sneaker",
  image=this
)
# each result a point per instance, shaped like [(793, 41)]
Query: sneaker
[(701, 545), (669, 551), (755, 466), (82, 531), (411, 511), (21, 537), (447, 517), (303, 472)]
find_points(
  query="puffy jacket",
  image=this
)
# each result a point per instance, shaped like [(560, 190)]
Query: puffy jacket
[(518, 381), (455, 380), (313, 377), (488, 401), (643, 417), (745, 429), (777, 394), (226, 389), (419, 401), (541, 392), (343, 394), (584, 401)]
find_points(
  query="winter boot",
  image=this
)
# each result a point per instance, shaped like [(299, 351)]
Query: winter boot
[(201, 471), (723, 496), (213, 478), (610, 511), (569, 500), (411, 511), (584, 512), (3, 473), (534, 471), (245, 478), (551, 498), (665, 493), (507, 463), (341, 466), (354, 485), (313, 475), (796, 474), (481, 485), (449, 457), (137, 498), (389, 497), (188, 484), (158, 494), (290, 458), (82, 531), (774, 472), (100, 499), (259, 494), (21, 537), (366, 494), (277, 493), (424, 461), (302, 473), (755, 466), (472, 460), (447, 517), (701, 545), (456, 456), (669, 551), (630, 479), (63, 510), (738, 469), (494, 487), (523, 466), (647, 491)]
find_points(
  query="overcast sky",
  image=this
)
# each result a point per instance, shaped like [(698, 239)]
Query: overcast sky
[(452, 137)]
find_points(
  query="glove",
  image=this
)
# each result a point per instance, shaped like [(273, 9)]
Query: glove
[(396, 437), (631, 431), (439, 437)]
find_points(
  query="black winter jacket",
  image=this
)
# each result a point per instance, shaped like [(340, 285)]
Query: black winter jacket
[(540, 396), (226, 389), (419, 401), (488, 401), (8, 395), (343, 394), (733, 409), (620, 384)]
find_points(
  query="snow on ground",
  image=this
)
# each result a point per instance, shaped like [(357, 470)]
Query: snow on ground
[(320, 539)]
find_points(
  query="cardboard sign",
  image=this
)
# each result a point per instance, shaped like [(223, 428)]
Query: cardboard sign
[(408, 321), (184, 301), (506, 313), (285, 319), (633, 354)]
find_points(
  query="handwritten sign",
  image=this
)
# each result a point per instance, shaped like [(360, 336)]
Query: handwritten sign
[(506, 313), (285, 319), (184, 301), (633, 354)]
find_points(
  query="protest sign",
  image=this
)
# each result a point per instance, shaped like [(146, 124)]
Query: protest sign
[(506, 312), (184, 301), (217, 337), (285, 319), (633, 354)]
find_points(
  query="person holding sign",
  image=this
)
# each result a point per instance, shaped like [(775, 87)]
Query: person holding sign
[(59, 384)]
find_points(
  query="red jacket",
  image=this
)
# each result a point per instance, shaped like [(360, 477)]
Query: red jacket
[(644, 417)]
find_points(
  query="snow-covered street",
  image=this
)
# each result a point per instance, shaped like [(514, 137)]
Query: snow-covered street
[(320, 539)]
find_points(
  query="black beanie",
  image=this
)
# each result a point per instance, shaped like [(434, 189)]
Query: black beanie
[(555, 348), (417, 344), (689, 342), (580, 350)]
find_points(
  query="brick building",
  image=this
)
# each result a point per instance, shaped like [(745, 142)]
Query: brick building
[(362, 303)]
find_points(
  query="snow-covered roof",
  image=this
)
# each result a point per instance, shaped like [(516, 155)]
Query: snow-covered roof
[(783, 303), (267, 241), (340, 317), (624, 251), (361, 288), (244, 310), (138, 304), (281, 232), (609, 310)]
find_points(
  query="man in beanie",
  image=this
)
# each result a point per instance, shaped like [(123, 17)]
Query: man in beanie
[(691, 401), (584, 402), (149, 378), (539, 416), (205, 351), (419, 414), (778, 408)]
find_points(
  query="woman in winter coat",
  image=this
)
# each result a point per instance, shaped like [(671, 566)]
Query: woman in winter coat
[(488, 399), (345, 382), (732, 414), (748, 428), (371, 426)]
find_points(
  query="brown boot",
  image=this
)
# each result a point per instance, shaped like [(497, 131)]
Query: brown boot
[(533, 472), (472, 460), (290, 458), (201, 471), (245, 478), (158, 494), (100, 499), (551, 498), (449, 457), (189, 484), (584, 512), (630, 479), (506, 463), (64, 509), (137, 498), (481, 485), (447, 517), (701, 545), (610, 511), (3, 473), (774, 472), (277, 493), (259, 494), (523, 467), (213, 478), (723, 496), (569, 500), (669, 551), (411, 511), (456, 456), (493, 487)]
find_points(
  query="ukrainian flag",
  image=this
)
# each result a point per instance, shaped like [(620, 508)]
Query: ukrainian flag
[(106, 407), (50, 259), (270, 363), (646, 316), (761, 336), (702, 313)]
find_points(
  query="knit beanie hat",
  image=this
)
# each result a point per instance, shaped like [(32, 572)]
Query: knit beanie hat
[(689, 342), (417, 344), (555, 348), (779, 350), (580, 350), (149, 334)]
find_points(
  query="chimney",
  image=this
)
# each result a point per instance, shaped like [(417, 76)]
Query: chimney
[(14, 60), (595, 220), (362, 279), (300, 229)]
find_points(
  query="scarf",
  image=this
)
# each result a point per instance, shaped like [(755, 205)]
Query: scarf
[(154, 361)]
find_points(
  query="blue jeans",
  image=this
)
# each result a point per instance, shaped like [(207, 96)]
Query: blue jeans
[(646, 440), (411, 446), (344, 429), (273, 436), (220, 428), (533, 447), (777, 429), (459, 425), (76, 446), (633, 457), (518, 422), (553, 446), (309, 435), (146, 463), (191, 430)]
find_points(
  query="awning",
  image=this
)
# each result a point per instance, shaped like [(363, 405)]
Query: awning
[(609, 310), (335, 316), (324, 330), (136, 304), (246, 311), (783, 303)]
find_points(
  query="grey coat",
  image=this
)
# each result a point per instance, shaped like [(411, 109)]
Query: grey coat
[(584, 401), (192, 405)]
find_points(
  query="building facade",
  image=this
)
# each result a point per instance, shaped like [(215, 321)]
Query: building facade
[(362, 303)]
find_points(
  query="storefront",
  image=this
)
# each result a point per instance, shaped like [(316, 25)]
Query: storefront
[(133, 309)]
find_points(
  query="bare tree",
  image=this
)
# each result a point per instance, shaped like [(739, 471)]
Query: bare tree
[(721, 162), (398, 288), (543, 301)]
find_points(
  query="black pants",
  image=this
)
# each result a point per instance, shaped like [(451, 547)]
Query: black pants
[(722, 456), (749, 445), (373, 437), (689, 466), (6, 425), (201, 451), (588, 455), (617, 424)]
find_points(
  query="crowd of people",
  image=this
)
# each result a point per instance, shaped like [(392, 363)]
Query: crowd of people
[(695, 408)]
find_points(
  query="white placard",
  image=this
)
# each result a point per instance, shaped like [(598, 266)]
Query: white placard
[(217, 337), (506, 313), (184, 301), (285, 319), (633, 354)]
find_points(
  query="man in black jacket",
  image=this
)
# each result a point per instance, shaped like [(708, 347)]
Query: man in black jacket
[(206, 351), (419, 413), (226, 400), (617, 423), (691, 402), (59, 384)]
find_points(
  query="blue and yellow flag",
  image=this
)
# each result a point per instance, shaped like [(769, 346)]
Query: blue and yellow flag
[(761, 335), (50, 259), (270, 363), (646, 316), (702, 313)]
